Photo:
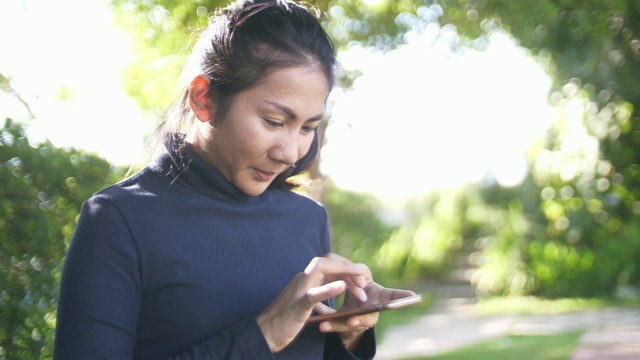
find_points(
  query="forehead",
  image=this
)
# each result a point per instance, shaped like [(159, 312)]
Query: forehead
[(293, 75), (300, 88)]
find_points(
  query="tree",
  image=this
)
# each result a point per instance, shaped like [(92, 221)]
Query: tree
[(42, 190), (586, 207)]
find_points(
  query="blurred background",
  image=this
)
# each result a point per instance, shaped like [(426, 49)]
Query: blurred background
[(489, 144)]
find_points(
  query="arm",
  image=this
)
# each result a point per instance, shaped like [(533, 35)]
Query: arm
[(100, 291), (101, 294)]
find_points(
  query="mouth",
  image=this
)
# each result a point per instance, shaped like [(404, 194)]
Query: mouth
[(262, 175)]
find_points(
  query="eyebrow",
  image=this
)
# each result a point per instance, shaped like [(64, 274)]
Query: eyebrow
[(291, 114)]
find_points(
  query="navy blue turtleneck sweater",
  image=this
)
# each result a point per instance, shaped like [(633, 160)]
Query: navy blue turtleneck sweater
[(166, 266)]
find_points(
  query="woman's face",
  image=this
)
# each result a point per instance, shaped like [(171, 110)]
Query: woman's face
[(267, 128)]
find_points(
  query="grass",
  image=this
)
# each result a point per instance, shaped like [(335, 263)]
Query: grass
[(539, 347)]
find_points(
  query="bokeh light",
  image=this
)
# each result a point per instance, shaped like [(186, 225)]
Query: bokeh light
[(426, 117)]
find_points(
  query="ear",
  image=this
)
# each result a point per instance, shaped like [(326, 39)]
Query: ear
[(199, 97)]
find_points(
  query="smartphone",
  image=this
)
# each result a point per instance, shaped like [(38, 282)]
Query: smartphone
[(366, 309)]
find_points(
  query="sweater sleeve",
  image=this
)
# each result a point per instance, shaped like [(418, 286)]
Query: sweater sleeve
[(335, 349), (101, 294)]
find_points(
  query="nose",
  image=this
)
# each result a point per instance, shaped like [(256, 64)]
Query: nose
[(286, 149)]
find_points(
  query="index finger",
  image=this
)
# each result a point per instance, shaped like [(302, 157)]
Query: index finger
[(322, 266), (326, 269), (355, 283), (360, 280)]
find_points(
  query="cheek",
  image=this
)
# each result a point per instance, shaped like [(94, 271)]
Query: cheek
[(305, 146), (250, 140)]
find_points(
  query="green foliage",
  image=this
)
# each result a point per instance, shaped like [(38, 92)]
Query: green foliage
[(579, 206), (504, 270), (162, 33), (586, 215), (570, 229), (593, 41), (380, 26), (425, 243), (42, 190), (356, 229)]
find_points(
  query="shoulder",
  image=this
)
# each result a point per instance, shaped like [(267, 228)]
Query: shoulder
[(146, 183), (298, 198), (302, 196), (299, 206)]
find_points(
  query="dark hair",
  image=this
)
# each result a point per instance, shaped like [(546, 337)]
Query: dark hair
[(236, 55)]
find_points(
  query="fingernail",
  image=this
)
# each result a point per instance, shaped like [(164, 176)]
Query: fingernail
[(361, 267), (363, 295)]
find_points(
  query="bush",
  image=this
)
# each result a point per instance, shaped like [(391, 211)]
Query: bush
[(42, 191)]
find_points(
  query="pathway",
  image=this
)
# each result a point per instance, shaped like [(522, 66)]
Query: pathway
[(611, 333)]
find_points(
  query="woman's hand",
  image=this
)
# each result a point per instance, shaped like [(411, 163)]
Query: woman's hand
[(351, 329), (324, 278)]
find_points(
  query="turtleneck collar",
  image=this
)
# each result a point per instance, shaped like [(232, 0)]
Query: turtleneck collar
[(186, 167)]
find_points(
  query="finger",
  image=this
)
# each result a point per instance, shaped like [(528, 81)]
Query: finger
[(399, 294), (321, 308), (356, 290), (359, 281), (321, 293), (336, 257), (328, 269), (352, 324), (359, 294), (355, 283), (366, 320), (376, 292)]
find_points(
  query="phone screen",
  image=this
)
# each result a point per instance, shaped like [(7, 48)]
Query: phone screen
[(366, 309)]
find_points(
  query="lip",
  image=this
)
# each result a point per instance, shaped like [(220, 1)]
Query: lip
[(262, 175)]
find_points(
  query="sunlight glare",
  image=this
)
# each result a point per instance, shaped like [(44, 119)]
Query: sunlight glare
[(372, 3), (65, 61), (422, 118)]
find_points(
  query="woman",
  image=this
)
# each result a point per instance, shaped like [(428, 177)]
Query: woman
[(207, 253)]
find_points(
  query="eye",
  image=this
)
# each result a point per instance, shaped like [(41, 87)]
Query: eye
[(273, 123), (309, 129)]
